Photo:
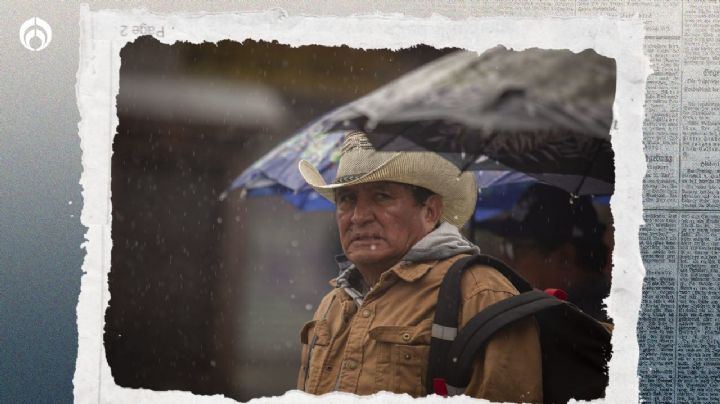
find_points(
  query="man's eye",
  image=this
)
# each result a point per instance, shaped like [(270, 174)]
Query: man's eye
[(344, 198), (382, 196)]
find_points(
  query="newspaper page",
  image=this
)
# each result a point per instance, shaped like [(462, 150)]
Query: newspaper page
[(678, 332)]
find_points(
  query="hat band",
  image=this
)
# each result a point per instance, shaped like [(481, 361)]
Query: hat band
[(348, 178)]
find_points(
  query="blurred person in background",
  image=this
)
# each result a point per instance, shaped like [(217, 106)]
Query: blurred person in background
[(398, 216), (556, 241)]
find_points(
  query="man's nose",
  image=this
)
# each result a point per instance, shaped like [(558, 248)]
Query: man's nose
[(362, 213)]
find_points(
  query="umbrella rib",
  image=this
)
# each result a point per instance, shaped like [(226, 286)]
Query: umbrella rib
[(402, 133), (482, 147), (597, 143)]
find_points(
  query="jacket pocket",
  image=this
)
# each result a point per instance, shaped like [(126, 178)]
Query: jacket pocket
[(402, 358), (315, 336)]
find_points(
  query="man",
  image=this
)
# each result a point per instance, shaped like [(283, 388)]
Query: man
[(398, 216), (555, 240)]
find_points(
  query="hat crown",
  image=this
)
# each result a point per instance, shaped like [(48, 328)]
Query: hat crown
[(358, 157), (355, 140)]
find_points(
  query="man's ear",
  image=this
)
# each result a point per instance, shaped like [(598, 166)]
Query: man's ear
[(434, 207)]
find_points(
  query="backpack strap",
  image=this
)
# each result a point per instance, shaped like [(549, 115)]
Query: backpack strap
[(476, 332), (445, 324)]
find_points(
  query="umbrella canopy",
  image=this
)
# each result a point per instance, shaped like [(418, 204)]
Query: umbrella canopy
[(546, 113), (497, 190), (279, 167), (276, 173)]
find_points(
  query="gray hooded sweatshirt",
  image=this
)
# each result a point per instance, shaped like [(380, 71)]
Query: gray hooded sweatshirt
[(443, 242)]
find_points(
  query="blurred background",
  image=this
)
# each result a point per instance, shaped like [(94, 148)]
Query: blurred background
[(210, 296)]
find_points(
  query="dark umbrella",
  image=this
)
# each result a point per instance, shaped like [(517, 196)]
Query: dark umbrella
[(546, 113)]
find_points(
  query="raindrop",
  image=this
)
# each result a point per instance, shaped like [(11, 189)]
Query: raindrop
[(372, 247), (69, 202), (294, 243), (292, 296), (308, 307), (219, 220)]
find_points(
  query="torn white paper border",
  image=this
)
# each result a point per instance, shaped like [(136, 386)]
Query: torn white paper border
[(102, 38)]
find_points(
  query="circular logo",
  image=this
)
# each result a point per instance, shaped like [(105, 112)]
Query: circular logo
[(35, 34)]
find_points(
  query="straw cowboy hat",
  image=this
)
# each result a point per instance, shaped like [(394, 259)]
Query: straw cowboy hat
[(361, 163)]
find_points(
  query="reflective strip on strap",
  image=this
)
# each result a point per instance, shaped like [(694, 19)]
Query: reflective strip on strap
[(442, 332), (454, 391)]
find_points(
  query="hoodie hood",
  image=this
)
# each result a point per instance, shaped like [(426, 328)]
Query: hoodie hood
[(443, 242)]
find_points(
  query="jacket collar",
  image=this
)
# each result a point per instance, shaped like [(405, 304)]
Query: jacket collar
[(412, 271), (406, 270)]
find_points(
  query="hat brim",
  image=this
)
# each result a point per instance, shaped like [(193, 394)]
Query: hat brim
[(424, 169)]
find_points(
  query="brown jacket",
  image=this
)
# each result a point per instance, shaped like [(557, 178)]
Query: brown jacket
[(384, 343)]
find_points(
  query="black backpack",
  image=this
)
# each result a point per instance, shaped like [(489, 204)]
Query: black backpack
[(575, 347)]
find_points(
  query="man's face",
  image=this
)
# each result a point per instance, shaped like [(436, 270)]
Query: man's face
[(380, 221)]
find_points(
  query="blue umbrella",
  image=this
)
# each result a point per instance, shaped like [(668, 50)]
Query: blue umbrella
[(497, 192), (276, 173), (279, 167)]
